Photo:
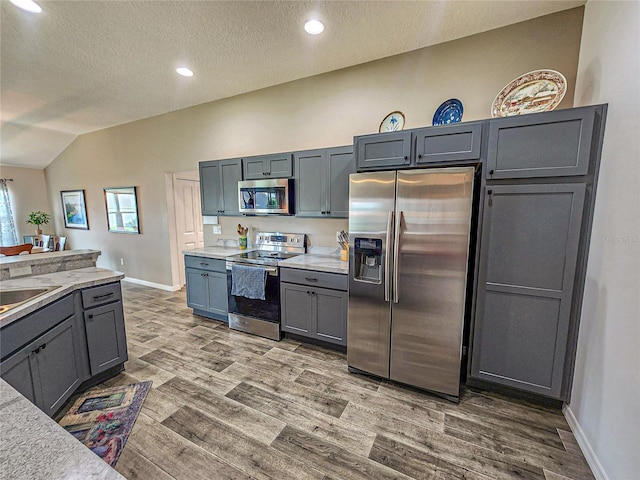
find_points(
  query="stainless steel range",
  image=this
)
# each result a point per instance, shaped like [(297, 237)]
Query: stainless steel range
[(253, 283)]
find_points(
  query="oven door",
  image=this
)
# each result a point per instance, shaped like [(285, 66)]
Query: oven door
[(267, 309)]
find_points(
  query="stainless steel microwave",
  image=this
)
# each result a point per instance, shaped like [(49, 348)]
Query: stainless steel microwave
[(261, 197)]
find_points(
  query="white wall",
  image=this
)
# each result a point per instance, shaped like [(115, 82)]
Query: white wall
[(321, 111), (605, 399)]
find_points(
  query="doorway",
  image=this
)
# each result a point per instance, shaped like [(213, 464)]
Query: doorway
[(185, 219)]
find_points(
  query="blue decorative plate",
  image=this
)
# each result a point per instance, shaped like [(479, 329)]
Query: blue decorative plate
[(449, 112)]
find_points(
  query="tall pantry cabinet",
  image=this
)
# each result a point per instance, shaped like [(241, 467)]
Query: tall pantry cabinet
[(536, 213)]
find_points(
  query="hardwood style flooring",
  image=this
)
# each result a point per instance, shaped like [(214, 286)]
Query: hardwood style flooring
[(225, 404)]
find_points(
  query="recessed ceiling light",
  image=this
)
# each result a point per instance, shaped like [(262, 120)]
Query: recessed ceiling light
[(184, 71), (28, 5), (314, 27)]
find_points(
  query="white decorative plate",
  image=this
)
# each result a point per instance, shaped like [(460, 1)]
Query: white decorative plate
[(392, 122), (533, 92)]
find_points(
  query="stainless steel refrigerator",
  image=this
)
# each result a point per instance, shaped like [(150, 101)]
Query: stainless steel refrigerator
[(409, 234)]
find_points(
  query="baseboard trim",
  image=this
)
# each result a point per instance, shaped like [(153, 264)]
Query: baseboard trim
[(144, 283), (585, 446)]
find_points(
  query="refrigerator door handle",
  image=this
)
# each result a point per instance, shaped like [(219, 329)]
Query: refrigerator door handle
[(387, 258), (396, 252)]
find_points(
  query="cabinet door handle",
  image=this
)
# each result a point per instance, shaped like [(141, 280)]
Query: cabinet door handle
[(204, 264), (43, 346), (308, 292), (106, 295), (310, 279), (490, 172), (328, 212), (489, 192), (90, 316), (419, 155), (406, 157)]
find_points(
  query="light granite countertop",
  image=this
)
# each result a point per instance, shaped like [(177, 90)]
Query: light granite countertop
[(216, 252), (68, 281), (36, 258), (318, 263), (34, 446)]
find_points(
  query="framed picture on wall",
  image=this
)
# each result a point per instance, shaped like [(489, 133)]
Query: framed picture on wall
[(74, 209), (122, 209)]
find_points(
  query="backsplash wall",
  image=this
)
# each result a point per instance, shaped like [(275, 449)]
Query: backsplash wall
[(321, 231)]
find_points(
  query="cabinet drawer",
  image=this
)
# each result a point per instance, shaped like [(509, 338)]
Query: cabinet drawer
[(92, 297), (22, 331), (204, 263), (314, 279), (448, 143)]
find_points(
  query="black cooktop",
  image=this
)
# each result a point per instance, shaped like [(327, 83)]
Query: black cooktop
[(261, 257)]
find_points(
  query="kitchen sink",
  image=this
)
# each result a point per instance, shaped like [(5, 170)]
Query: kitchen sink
[(14, 297)]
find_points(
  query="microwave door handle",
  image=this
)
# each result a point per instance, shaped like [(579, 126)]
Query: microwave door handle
[(387, 258), (396, 253)]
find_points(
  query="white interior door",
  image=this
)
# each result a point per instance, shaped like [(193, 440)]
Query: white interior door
[(189, 229)]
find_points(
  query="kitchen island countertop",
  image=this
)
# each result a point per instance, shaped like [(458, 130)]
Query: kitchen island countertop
[(34, 446), (67, 282)]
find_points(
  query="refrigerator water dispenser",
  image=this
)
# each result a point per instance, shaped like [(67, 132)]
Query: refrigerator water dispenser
[(367, 260)]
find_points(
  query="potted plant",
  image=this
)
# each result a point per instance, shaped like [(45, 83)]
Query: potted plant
[(38, 218)]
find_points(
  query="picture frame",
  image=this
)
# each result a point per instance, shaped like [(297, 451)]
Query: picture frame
[(74, 209), (122, 210)]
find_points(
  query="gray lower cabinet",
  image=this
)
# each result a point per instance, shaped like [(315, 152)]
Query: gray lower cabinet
[(322, 182), (552, 144), (106, 338), (219, 186), (527, 271), (277, 165), (47, 370), (311, 310), (206, 280)]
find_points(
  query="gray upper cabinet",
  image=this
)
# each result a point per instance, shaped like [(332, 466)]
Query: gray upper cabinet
[(528, 258), (310, 189), (340, 163), (219, 186), (322, 182), (448, 143), (230, 175), (210, 187), (542, 145), (383, 150), (279, 165), (420, 147)]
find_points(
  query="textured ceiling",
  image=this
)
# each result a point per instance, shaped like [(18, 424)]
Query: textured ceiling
[(81, 66)]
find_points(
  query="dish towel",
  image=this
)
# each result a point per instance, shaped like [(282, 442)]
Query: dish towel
[(248, 282)]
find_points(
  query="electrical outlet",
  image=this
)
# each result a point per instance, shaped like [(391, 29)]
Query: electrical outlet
[(217, 229), (122, 262)]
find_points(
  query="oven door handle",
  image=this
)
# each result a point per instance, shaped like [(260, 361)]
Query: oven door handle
[(267, 269)]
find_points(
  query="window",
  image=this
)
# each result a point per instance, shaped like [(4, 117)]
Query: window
[(122, 209), (7, 225)]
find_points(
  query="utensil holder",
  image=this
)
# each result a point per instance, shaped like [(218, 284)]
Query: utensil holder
[(344, 254), (242, 242)]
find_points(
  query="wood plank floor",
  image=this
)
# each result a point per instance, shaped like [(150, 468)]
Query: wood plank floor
[(230, 405)]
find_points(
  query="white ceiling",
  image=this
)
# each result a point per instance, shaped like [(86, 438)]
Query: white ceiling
[(81, 66)]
